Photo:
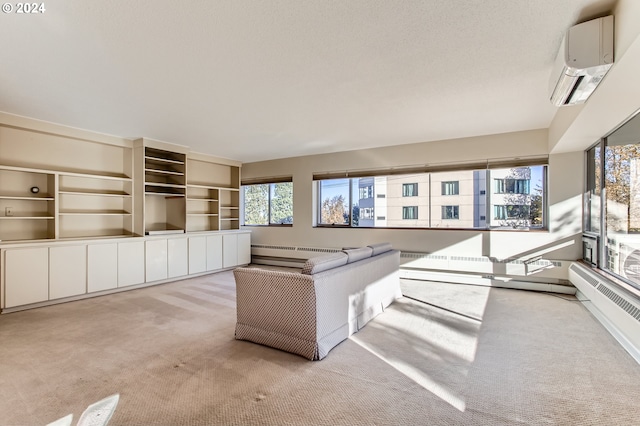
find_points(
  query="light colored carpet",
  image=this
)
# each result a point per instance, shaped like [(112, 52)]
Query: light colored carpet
[(469, 356)]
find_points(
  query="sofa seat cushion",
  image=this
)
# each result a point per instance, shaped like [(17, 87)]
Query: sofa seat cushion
[(324, 262), (356, 254), (380, 248)]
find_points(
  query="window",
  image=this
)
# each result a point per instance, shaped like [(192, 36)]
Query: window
[(450, 212), (409, 189), (510, 212), (409, 212), (518, 198), (336, 199), (612, 202), (366, 213), (340, 200), (268, 204), (366, 192), (450, 188), (511, 186)]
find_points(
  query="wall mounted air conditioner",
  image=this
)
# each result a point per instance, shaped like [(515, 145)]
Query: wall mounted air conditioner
[(585, 56)]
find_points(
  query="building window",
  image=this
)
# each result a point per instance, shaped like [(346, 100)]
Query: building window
[(380, 195), (511, 212), (409, 212), (450, 188), (511, 186), (483, 217), (483, 192), (450, 212), (366, 213), (409, 189), (381, 218), (366, 192), (268, 204)]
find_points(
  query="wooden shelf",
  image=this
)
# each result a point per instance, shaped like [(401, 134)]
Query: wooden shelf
[(221, 188), (202, 214), (229, 207), (229, 218)]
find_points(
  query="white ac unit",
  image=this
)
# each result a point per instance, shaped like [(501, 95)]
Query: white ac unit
[(585, 56)]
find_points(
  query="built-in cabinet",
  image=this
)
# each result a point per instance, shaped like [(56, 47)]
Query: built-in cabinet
[(82, 213), (49, 272)]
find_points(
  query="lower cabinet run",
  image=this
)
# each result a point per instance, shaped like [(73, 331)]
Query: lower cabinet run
[(26, 276), (47, 272)]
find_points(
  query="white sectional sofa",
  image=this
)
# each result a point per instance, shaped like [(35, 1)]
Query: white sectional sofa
[(309, 312)]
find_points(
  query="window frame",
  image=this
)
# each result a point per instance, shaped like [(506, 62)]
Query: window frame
[(269, 203), (482, 172)]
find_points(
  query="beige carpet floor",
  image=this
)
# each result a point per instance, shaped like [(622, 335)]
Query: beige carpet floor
[(468, 356)]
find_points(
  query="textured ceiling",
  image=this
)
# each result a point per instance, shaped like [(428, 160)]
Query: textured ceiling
[(254, 80)]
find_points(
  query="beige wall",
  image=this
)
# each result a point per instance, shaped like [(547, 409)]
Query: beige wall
[(565, 198)]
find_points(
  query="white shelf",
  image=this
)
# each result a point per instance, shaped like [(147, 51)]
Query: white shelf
[(95, 213), (229, 207), (162, 160), (166, 185), (163, 172), (229, 218), (210, 200), (202, 214), (25, 217), (122, 178), (18, 197), (221, 188), (96, 193)]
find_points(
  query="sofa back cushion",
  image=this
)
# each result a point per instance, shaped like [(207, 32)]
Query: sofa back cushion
[(324, 262), (380, 248), (359, 253)]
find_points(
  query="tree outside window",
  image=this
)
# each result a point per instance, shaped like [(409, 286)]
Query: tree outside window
[(268, 204)]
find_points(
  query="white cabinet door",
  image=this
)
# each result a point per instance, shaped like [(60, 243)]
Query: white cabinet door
[(26, 276), (155, 260), (244, 249), (102, 267), (130, 263), (229, 250), (178, 255), (67, 271), (197, 255), (214, 252)]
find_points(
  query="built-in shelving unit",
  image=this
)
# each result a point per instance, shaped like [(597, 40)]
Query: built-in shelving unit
[(212, 195), (162, 178), (93, 205), (114, 188)]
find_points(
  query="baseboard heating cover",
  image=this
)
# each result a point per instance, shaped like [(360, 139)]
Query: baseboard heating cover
[(617, 309), (535, 269)]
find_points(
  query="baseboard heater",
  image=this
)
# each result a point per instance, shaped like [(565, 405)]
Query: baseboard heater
[(617, 308)]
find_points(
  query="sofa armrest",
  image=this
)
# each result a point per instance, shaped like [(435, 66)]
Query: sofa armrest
[(276, 302)]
